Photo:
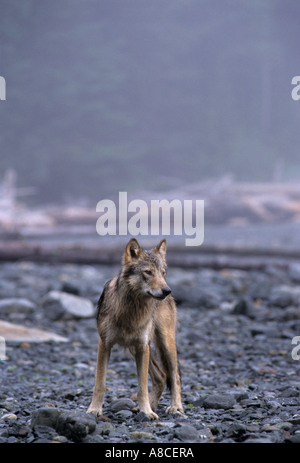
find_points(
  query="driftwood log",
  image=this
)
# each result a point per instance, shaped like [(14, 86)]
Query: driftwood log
[(216, 257)]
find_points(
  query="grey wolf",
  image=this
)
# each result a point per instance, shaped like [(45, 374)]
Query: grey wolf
[(135, 308)]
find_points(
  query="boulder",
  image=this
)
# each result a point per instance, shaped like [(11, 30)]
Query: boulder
[(244, 307), (61, 305), (75, 425), (45, 416), (284, 296), (186, 433), (72, 424), (219, 401), (122, 404), (16, 305)]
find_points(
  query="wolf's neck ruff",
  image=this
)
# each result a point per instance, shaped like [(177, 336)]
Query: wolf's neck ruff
[(141, 309)]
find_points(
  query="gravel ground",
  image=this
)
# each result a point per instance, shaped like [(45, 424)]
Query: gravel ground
[(240, 382)]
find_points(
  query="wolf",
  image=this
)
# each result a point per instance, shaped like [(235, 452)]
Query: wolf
[(135, 308)]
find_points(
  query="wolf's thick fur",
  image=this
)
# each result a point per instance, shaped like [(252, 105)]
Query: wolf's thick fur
[(135, 307)]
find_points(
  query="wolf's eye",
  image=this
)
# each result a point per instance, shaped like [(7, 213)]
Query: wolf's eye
[(148, 272)]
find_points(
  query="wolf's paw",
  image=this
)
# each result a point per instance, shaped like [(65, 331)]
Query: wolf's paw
[(94, 411), (98, 413), (150, 413), (174, 410), (95, 408)]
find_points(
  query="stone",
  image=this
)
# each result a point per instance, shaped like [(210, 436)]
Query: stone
[(60, 439), (10, 404), (188, 291), (244, 307), (9, 417), (122, 404), (258, 440), (219, 401), (16, 305), (293, 439), (284, 296), (205, 433), (12, 440), (272, 403), (44, 432), (294, 271), (19, 430), (239, 393), (141, 435), (291, 313), (75, 425), (236, 430), (186, 433), (59, 305), (91, 439), (20, 333), (268, 330), (69, 287), (107, 428), (46, 416), (142, 417), (295, 419), (124, 415), (270, 427)]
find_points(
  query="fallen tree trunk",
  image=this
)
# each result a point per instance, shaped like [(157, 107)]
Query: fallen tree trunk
[(216, 257)]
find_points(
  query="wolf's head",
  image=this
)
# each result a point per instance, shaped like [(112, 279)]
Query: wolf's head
[(144, 271)]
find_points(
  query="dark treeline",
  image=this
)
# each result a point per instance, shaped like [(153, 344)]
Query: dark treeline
[(111, 95)]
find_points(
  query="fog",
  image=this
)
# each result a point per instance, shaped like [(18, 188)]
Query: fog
[(127, 95)]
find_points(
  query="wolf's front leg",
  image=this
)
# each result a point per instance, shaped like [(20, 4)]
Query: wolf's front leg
[(142, 355), (100, 384)]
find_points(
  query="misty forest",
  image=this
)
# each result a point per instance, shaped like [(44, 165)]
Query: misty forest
[(108, 96)]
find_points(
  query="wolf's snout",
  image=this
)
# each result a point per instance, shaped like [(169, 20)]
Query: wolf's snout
[(160, 293), (166, 291)]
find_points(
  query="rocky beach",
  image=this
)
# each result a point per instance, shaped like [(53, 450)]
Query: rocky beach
[(235, 332)]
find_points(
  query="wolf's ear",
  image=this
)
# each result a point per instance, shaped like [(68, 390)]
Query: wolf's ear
[(132, 251), (161, 248)]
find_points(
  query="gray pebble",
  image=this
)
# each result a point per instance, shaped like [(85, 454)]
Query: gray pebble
[(122, 404), (186, 433), (47, 416), (124, 415), (218, 401)]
